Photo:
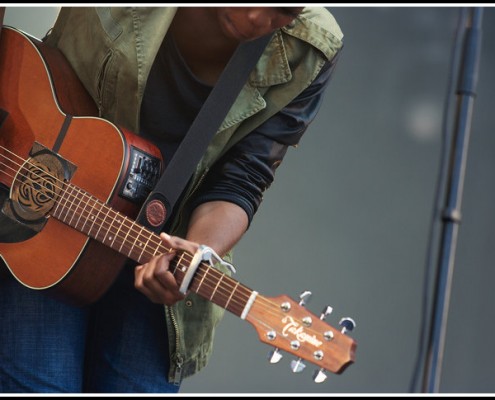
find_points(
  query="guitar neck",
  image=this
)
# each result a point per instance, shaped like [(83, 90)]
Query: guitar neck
[(88, 215)]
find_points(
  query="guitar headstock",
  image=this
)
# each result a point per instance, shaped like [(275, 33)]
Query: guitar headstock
[(287, 325)]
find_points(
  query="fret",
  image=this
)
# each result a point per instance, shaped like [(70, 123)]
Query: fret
[(109, 230), (120, 222), (81, 215), (183, 267), (74, 206), (145, 246), (159, 248), (105, 214), (134, 244), (59, 208), (96, 209), (64, 204), (71, 207), (215, 289), (201, 282), (178, 267), (238, 299), (230, 297), (173, 266), (124, 240)]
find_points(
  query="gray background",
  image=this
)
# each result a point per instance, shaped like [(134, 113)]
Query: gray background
[(349, 215)]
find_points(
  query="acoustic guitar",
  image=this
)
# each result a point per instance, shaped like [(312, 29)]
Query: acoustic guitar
[(76, 181)]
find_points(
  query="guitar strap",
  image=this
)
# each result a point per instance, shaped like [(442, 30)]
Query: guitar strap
[(160, 202)]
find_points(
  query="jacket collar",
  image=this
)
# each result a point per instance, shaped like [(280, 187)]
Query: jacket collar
[(272, 69), (274, 60), (323, 34)]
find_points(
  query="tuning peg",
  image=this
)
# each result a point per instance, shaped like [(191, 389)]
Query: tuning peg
[(304, 296), (297, 365), (326, 311), (275, 356), (319, 376), (347, 324)]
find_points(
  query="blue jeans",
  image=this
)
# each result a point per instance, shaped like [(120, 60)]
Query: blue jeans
[(117, 345)]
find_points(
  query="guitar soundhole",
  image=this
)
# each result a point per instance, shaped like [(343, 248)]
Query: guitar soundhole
[(37, 186)]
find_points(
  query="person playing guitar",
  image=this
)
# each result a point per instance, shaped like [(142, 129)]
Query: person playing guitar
[(145, 73)]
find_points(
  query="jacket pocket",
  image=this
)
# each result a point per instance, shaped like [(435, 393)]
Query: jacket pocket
[(102, 81)]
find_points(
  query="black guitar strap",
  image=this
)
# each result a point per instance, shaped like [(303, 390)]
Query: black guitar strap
[(160, 202)]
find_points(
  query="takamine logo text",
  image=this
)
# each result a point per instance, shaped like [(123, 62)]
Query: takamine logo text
[(292, 327)]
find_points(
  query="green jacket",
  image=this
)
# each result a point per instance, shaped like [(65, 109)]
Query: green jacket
[(112, 50)]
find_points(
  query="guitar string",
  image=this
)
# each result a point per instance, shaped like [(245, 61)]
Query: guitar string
[(199, 277)]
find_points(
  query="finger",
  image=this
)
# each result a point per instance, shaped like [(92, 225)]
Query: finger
[(179, 243), (155, 281), (141, 285), (163, 274)]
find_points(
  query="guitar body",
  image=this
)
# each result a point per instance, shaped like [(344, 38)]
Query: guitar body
[(46, 104)]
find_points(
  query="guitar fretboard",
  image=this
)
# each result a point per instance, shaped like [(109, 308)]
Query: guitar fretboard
[(88, 215)]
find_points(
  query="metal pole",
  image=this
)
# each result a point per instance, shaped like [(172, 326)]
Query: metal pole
[(451, 213)]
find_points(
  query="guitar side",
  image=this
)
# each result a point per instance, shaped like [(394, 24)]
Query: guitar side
[(47, 104)]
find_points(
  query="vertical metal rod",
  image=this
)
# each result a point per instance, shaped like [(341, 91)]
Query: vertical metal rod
[(451, 215)]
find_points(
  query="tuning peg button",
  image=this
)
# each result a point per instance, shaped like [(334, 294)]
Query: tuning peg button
[(297, 366), (319, 376), (304, 296), (347, 324), (326, 311), (275, 356)]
